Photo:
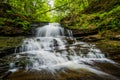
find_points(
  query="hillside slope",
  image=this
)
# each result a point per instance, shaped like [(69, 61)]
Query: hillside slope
[(102, 14)]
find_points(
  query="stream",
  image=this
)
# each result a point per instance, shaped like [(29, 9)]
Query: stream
[(54, 54)]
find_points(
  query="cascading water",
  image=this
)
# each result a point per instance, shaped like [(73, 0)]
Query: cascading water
[(54, 48)]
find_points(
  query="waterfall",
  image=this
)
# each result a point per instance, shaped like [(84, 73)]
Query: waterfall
[(54, 47)]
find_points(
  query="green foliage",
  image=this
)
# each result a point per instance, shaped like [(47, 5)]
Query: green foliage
[(15, 23), (93, 16), (76, 13), (25, 25), (68, 8), (42, 11), (3, 21), (101, 6), (33, 8)]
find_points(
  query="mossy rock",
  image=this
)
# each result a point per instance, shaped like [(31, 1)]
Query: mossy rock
[(110, 48), (9, 44)]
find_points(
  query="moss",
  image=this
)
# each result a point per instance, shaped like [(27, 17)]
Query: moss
[(110, 44), (8, 42), (110, 48)]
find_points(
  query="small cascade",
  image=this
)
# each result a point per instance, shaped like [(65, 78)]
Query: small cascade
[(54, 48)]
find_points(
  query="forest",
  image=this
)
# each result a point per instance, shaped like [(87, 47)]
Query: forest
[(95, 22), (79, 14)]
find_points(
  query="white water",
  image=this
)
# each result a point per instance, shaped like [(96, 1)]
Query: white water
[(54, 48)]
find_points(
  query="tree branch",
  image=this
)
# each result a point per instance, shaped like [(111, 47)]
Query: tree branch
[(57, 7)]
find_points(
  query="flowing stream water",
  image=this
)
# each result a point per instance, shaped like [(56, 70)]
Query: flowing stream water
[(54, 50)]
